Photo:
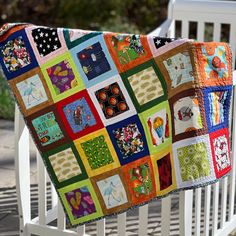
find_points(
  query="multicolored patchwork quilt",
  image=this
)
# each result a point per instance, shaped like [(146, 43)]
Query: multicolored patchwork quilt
[(120, 119)]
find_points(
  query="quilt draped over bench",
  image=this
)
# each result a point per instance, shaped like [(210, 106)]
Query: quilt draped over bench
[(120, 119)]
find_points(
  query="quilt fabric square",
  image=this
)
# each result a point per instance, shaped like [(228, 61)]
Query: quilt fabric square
[(93, 61), (217, 104), (62, 77), (145, 85), (129, 140), (97, 152), (221, 151), (80, 202), (46, 42), (213, 64), (31, 91), (79, 114), (139, 178), (17, 56), (120, 119), (65, 165), (112, 191), (164, 171), (178, 66)]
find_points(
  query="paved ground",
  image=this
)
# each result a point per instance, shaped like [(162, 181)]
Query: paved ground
[(7, 170), (8, 204)]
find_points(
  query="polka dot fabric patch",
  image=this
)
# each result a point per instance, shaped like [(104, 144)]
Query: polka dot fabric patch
[(120, 119)]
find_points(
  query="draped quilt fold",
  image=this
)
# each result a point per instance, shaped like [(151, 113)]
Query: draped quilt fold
[(120, 119)]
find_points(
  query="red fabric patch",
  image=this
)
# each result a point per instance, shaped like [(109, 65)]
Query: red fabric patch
[(165, 174), (79, 114), (220, 147)]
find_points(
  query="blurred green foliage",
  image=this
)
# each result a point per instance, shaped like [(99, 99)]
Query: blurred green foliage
[(6, 101), (131, 16), (139, 16)]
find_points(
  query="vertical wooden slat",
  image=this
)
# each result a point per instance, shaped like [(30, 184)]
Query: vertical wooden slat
[(233, 162), (165, 215), (223, 201), (198, 197), (54, 196), (121, 227), (171, 31), (143, 220), (185, 212), (60, 217), (215, 207), (22, 165), (81, 230), (185, 29), (200, 31), (101, 227), (232, 41), (42, 190), (216, 31), (207, 207)]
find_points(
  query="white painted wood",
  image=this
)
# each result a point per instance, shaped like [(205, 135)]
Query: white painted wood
[(171, 31), (233, 156), (228, 228), (42, 198), (200, 11), (216, 31), (47, 230), (207, 205), (215, 207), (22, 165), (165, 215), (163, 29), (232, 41), (54, 196), (51, 215), (224, 182), (81, 230), (101, 227), (185, 29), (121, 227), (200, 30), (60, 217), (198, 198), (185, 212), (143, 220)]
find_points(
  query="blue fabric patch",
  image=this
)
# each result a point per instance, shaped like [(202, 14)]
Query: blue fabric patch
[(93, 61), (217, 105), (27, 49), (129, 139), (79, 115)]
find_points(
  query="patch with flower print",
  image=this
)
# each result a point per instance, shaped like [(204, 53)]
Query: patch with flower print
[(15, 54)]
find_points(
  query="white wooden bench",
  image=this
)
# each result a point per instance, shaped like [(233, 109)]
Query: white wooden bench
[(221, 210)]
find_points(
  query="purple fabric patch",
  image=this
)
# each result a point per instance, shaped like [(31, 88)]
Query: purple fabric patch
[(81, 202), (61, 76)]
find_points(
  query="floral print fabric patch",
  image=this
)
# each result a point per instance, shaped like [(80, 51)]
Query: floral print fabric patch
[(120, 119), (15, 54)]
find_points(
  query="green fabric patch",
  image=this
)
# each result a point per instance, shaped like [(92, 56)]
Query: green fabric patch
[(193, 162), (97, 152)]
